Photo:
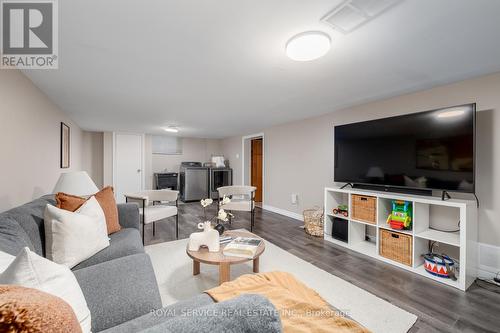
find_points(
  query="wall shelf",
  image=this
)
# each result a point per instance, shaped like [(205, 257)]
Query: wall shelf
[(428, 213)]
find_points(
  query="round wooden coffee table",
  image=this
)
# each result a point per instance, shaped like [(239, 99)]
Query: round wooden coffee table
[(224, 262)]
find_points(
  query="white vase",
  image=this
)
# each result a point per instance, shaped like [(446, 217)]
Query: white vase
[(209, 237)]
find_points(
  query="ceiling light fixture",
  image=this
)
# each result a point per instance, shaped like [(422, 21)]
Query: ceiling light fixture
[(171, 129), (308, 46)]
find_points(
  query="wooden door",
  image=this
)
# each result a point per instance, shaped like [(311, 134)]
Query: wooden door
[(256, 173)]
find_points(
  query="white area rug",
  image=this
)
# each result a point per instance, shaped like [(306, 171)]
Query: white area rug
[(173, 269)]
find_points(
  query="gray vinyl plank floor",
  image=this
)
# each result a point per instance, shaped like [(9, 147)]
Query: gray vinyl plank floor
[(439, 308)]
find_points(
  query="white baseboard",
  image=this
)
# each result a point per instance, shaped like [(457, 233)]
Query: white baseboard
[(489, 261), (284, 212)]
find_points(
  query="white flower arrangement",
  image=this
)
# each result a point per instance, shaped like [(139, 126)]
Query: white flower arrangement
[(206, 202), (222, 214), (225, 200)]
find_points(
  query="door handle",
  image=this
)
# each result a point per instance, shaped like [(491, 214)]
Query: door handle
[(138, 170)]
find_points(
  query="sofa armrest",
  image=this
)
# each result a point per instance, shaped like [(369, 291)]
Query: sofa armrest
[(246, 313), (119, 290), (128, 215)]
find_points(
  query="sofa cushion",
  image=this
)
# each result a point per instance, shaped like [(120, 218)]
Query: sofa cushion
[(73, 237), (122, 243), (106, 199), (30, 217), (159, 316), (13, 238), (119, 290)]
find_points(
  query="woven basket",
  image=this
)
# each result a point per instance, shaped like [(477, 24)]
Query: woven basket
[(364, 208), (396, 246), (313, 221)]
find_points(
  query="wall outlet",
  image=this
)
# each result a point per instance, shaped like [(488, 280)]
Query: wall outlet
[(295, 198)]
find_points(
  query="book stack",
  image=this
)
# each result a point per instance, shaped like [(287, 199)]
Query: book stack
[(244, 247)]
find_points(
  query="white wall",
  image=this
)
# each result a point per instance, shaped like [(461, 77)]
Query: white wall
[(30, 141), (299, 155)]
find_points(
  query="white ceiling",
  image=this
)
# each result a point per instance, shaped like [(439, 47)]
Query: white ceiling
[(217, 68)]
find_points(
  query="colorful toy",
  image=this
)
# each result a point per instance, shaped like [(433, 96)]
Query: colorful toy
[(440, 265), (341, 210), (400, 217)]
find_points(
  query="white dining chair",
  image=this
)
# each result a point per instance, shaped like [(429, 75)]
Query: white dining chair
[(242, 199), (156, 205)]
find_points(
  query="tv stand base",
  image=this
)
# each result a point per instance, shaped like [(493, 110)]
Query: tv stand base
[(382, 188), (347, 184), (445, 196)]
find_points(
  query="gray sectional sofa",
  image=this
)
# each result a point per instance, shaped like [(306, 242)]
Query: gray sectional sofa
[(118, 282), (120, 287)]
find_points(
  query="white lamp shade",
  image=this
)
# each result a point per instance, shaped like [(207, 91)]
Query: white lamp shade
[(76, 183)]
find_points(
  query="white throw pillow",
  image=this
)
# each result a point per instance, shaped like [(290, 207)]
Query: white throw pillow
[(32, 271), (5, 260), (72, 237)]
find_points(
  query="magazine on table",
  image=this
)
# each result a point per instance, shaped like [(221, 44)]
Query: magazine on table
[(245, 247), (225, 239)]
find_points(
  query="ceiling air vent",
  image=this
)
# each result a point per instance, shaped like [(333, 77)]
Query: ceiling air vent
[(352, 14)]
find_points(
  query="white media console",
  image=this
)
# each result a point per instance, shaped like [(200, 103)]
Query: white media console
[(430, 215)]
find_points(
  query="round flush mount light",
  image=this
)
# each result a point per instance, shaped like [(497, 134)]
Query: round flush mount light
[(171, 129), (308, 46)]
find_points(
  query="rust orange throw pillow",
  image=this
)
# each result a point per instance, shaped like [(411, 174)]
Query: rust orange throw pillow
[(30, 310), (105, 198)]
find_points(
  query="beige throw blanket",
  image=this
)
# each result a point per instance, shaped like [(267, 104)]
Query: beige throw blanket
[(301, 309)]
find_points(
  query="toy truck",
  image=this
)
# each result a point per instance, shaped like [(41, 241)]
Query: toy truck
[(341, 210)]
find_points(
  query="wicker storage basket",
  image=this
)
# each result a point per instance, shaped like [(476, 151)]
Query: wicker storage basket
[(313, 221), (364, 208), (396, 246)]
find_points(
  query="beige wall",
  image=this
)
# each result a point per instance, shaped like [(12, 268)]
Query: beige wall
[(92, 156), (193, 150), (30, 139), (299, 155), (107, 159)]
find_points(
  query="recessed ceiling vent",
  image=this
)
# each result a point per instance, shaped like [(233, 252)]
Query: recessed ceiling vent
[(352, 14)]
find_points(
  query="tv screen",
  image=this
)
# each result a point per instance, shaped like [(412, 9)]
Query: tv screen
[(425, 150)]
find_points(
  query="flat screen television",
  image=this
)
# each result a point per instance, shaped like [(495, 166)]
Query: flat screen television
[(432, 150)]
